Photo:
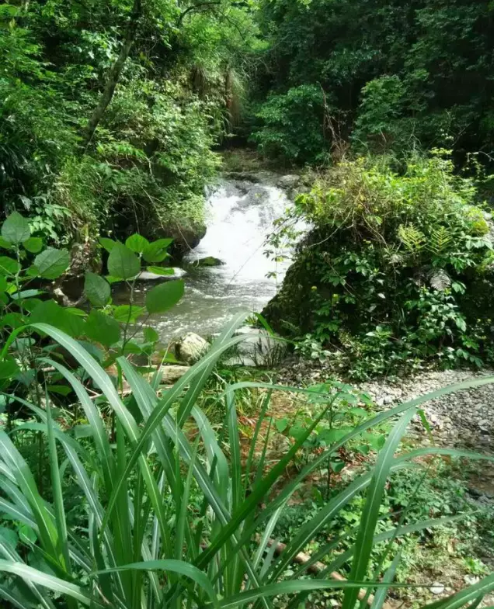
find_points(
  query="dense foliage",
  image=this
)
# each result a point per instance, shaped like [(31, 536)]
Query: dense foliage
[(397, 269), (413, 72), (110, 110)]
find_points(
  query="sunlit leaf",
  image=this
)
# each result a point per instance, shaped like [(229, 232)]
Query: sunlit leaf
[(123, 263), (9, 266), (163, 297), (33, 245), (102, 328), (52, 263), (97, 289), (137, 243), (15, 229), (157, 251)]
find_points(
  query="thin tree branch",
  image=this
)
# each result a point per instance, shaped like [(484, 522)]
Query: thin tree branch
[(114, 74)]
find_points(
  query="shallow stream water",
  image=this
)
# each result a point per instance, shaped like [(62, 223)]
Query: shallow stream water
[(240, 215)]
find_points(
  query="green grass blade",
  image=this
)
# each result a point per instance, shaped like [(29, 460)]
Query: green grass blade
[(291, 587), (174, 566), (389, 576), (58, 502), (100, 437), (55, 584), (24, 478), (370, 514)]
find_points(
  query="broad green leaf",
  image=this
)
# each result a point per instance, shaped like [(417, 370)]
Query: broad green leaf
[(150, 335), (11, 320), (34, 245), (132, 347), (157, 251), (8, 368), (3, 283), (123, 263), (26, 294), (59, 389), (9, 266), (161, 270), (127, 313), (9, 536), (30, 304), (15, 229), (102, 328), (52, 263), (50, 312), (137, 243), (97, 289), (163, 297), (108, 244), (5, 244)]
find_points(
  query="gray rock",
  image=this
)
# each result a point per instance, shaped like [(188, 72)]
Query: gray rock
[(289, 181), (171, 374), (148, 276), (190, 348)]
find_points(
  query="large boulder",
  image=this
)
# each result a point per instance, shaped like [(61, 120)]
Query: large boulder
[(190, 348)]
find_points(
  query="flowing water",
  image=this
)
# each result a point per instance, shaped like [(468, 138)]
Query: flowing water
[(240, 216)]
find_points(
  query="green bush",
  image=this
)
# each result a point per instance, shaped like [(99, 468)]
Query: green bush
[(292, 126), (397, 269)]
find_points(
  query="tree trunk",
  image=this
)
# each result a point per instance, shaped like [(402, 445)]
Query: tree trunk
[(114, 74)]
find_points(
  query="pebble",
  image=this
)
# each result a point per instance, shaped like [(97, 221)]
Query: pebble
[(437, 588)]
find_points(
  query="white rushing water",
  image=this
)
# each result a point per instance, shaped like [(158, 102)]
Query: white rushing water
[(240, 216)]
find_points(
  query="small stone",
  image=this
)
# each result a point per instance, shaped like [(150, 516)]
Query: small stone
[(437, 588), (171, 374), (191, 347)]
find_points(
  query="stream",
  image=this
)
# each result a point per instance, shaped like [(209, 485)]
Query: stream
[(240, 216)]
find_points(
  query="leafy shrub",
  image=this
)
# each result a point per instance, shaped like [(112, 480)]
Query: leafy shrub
[(292, 126), (169, 519), (107, 330), (397, 269)]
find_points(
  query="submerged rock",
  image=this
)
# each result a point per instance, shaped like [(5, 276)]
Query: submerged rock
[(190, 348), (209, 261)]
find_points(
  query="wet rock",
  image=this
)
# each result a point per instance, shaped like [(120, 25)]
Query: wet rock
[(171, 374), (209, 261), (148, 276), (289, 182), (190, 348), (243, 176)]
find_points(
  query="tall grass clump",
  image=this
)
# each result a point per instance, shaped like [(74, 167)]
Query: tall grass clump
[(172, 510)]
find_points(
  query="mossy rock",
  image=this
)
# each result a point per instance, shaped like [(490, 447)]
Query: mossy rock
[(210, 261)]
